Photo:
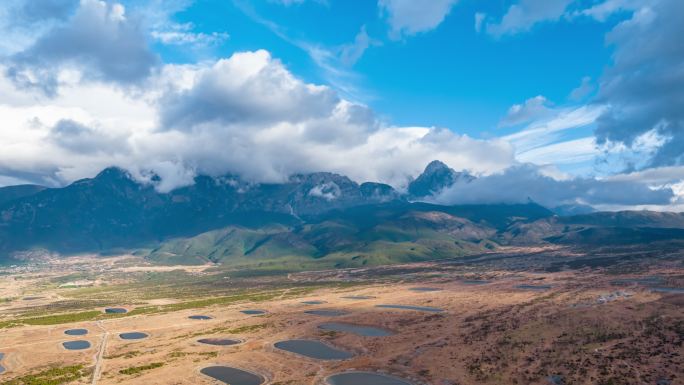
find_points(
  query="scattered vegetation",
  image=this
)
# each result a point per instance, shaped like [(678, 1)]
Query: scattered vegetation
[(53, 319), (139, 369), (224, 330), (52, 376)]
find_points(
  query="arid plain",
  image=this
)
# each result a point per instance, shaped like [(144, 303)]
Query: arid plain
[(605, 325)]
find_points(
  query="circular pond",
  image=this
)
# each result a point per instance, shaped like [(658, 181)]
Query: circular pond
[(219, 341), (133, 336), (327, 312), (358, 297), (200, 317), (76, 332), (364, 378), (76, 345), (253, 312), (313, 349), (115, 310), (232, 376)]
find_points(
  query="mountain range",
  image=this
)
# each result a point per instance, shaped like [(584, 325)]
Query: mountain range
[(322, 217)]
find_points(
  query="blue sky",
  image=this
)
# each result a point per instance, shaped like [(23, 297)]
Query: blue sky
[(449, 76), (573, 95)]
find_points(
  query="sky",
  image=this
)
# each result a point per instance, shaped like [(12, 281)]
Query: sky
[(558, 101)]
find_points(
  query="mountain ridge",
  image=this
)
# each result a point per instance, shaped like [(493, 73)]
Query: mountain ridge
[(316, 215)]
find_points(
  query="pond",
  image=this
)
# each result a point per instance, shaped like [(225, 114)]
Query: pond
[(410, 307), (232, 376), (365, 331), (200, 317), (313, 302), (2, 368), (359, 297), (474, 282), (327, 312), (115, 310), (76, 332), (76, 345), (534, 287), (364, 378), (219, 341), (253, 312), (133, 336), (425, 289), (313, 349)]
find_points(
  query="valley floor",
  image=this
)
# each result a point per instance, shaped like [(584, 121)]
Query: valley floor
[(589, 326)]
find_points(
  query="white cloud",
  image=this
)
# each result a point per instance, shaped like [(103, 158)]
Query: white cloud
[(182, 35), (550, 129), (409, 17), (522, 183), (246, 114), (100, 39), (534, 108), (562, 153), (525, 14)]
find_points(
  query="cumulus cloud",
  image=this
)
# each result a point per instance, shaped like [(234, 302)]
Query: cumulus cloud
[(249, 87), (246, 114), (522, 183), (99, 40), (645, 86), (79, 138), (525, 14), (409, 17), (534, 108), (44, 10)]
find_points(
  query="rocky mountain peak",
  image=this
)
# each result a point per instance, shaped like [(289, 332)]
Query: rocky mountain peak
[(436, 177)]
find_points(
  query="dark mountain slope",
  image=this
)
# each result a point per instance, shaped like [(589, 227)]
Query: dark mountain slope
[(10, 193)]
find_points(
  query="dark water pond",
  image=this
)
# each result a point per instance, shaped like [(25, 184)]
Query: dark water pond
[(76, 332), (133, 336), (76, 345), (253, 312), (219, 341), (2, 368), (115, 310), (534, 287), (366, 331), (200, 317), (425, 289), (232, 376), (359, 297), (409, 307), (364, 378), (313, 349), (474, 282), (327, 312), (313, 302)]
